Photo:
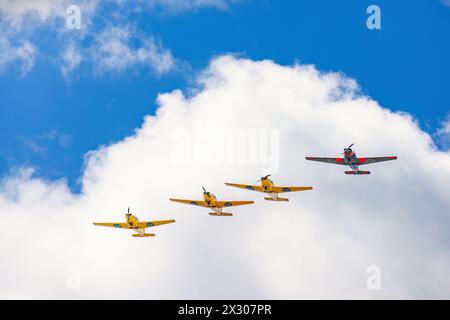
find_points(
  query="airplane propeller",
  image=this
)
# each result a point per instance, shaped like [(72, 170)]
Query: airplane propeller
[(345, 149), (264, 178), (204, 190), (128, 209)]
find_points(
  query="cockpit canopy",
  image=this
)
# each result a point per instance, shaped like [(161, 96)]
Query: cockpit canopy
[(266, 178), (349, 153)]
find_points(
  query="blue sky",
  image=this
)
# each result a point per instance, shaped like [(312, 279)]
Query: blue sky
[(50, 121), (66, 93)]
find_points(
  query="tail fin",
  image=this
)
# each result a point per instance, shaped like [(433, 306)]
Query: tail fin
[(357, 172), (144, 235), (222, 214), (277, 199)]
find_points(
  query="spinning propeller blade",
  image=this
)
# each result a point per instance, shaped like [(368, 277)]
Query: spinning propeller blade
[(345, 149), (264, 178)]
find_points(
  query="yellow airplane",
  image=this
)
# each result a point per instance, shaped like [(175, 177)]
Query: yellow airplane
[(133, 223), (210, 201), (267, 186)]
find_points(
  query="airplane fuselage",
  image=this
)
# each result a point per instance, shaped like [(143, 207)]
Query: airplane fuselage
[(352, 161), (210, 199), (267, 185), (133, 222)]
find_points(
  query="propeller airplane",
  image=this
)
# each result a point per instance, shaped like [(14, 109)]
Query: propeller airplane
[(133, 223), (352, 160), (210, 201), (267, 186)]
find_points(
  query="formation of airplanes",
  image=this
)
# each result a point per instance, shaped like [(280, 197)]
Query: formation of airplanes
[(266, 186)]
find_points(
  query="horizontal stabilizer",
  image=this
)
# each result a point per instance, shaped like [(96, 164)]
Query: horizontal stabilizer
[(143, 235), (222, 214), (357, 172), (277, 199)]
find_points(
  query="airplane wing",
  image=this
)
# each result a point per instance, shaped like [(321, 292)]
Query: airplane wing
[(327, 160), (289, 189), (200, 203), (147, 224), (221, 204), (245, 186), (122, 225), (362, 160)]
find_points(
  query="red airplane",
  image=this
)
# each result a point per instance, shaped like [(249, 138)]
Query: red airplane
[(350, 159)]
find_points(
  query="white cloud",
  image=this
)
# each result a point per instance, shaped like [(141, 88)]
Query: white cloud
[(318, 245), (445, 128), (114, 52), (71, 59), (39, 143), (21, 14), (187, 5), (22, 52), (23, 18), (443, 134), (17, 11)]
